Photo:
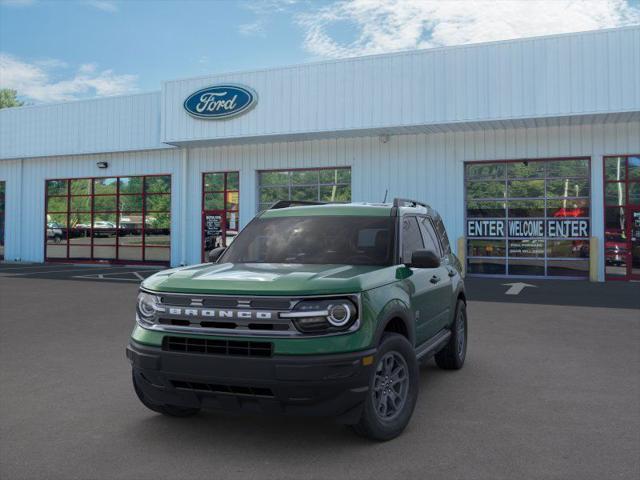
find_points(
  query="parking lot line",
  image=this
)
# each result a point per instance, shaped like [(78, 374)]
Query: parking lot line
[(43, 272)]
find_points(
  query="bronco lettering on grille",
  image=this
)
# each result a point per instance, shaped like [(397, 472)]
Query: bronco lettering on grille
[(216, 313)]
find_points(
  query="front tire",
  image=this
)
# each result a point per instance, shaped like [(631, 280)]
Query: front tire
[(169, 410), (452, 356), (393, 390)]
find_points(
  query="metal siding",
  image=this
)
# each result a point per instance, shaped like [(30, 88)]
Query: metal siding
[(555, 76), (533, 80), (424, 166), (29, 216), (90, 126), (11, 174)]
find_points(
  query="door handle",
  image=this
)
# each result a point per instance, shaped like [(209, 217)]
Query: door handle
[(452, 272), (435, 279)]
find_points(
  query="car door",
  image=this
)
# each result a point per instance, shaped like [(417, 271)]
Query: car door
[(422, 290), (440, 300)]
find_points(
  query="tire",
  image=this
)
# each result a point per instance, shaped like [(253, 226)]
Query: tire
[(374, 423), (169, 410), (452, 356)]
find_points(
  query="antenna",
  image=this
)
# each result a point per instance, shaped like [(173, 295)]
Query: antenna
[(385, 195)]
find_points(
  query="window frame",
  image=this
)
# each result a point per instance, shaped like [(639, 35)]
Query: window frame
[(261, 206), (225, 210), (627, 206), (506, 199), (436, 238), (402, 260), (91, 213)]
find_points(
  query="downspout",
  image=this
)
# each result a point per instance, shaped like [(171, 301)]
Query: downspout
[(18, 235), (184, 210)]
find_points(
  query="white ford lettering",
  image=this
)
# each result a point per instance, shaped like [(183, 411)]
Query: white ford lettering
[(209, 102)]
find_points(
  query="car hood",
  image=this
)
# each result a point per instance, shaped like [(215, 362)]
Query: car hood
[(270, 279)]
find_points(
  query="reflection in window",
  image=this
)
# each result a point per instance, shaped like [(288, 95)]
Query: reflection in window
[(614, 193), (615, 168), (568, 248), (327, 185), (525, 169), (109, 218), (526, 208), (521, 195), (525, 188), (486, 248)]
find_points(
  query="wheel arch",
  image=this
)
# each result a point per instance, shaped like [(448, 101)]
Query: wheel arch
[(395, 317)]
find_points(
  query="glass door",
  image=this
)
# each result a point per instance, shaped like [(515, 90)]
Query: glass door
[(220, 210), (634, 240), (622, 217)]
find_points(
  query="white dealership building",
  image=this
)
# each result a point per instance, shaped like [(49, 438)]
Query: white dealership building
[(529, 149)]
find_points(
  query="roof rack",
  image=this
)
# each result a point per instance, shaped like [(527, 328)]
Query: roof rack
[(293, 203), (404, 202)]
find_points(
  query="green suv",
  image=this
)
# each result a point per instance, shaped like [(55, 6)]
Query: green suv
[(313, 310)]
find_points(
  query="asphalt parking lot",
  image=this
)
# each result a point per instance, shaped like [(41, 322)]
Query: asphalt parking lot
[(551, 390)]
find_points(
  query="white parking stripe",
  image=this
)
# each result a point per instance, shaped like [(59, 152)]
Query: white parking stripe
[(15, 274)]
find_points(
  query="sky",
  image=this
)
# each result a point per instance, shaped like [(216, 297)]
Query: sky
[(59, 50)]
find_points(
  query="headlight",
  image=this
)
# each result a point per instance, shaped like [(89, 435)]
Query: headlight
[(147, 307), (323, 316)]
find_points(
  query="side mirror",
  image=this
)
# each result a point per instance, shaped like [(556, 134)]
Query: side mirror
[(424, 259), (214, 254)]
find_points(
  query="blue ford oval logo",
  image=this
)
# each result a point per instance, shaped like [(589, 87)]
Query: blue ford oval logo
[(220, 101)]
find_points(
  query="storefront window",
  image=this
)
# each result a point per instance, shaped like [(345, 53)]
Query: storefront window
[(622, 217), (220, 209), (327, 185), (2, 210), (109, 219), (528, 217)]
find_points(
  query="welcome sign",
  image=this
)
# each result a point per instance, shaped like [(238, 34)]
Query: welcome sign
[(219, 102), (529, 228)]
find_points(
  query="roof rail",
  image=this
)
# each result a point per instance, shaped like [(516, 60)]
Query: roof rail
[(293, 203), (404, 202)]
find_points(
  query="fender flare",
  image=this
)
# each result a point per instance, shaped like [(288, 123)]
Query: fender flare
[(395, 309)]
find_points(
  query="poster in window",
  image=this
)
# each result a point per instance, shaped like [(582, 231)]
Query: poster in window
[(213, 232)]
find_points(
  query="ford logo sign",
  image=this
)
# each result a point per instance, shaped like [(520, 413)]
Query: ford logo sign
[(220, 101)]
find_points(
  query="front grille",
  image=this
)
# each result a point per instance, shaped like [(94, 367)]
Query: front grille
[(268, 303), (228, 389), (280, 326), (209, 302), (217, 347)]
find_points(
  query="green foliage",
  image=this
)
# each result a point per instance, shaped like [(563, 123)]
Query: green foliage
[(8, 98)]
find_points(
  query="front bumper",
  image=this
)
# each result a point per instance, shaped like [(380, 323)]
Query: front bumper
[(317, 385)]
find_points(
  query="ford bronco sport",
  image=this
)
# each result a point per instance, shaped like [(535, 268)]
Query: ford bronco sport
[(313, 309)]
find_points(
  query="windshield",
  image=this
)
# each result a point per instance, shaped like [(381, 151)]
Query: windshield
[(342, 240)]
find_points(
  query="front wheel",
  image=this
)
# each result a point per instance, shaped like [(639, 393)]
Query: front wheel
[(452, 356), (393, 390), (169, 410)]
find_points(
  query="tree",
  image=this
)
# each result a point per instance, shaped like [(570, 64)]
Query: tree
[(8, 98)]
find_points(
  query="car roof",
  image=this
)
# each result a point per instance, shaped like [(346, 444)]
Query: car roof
[(355, 209)]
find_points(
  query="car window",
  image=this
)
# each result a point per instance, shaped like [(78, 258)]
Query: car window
[(340, 240), (411, 238), (442, 234), (430, 237)]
